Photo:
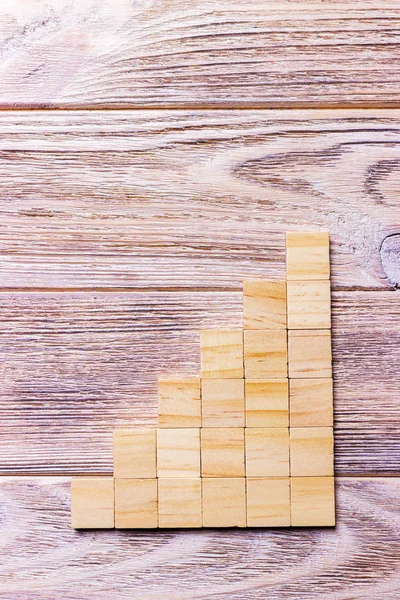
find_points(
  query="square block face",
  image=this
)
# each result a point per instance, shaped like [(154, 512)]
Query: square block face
[(221, 353), (307, 255), (224, 502), (222, 402), (179, 503), (312, 501), (222, 452), (309, 304), (179, 402), (268, 502), (265, 354), (267, 452), (310, 353), (136, 503), (178, 452), (311, 402), (264, 304), (311, 451), (135, 453), (92, 502), (267, 402)]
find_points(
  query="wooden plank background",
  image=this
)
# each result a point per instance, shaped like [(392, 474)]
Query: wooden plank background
[(175, 144)]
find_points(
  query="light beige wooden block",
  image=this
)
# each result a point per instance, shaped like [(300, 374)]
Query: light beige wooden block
[(136, 503), (135, 453), (307, 255), (221, 353), (309, 304), (179, 402), (267, 402), (264, 304), (312, 501), (311, 451), (268, 502), (310, 353), (179, 503), (222, 402), (267, 451), (224, 502), (222, 452), (311, 402), (92, 503), (178, 452), (265, 354)]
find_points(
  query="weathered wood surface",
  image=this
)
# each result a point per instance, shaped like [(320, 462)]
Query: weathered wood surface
[(43, 558), (74, 366), (195, 199), (171, 52)]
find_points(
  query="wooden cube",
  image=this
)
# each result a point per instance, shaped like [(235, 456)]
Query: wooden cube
[(265, 354), (310, 353), (222, 402), (311, 402), (307, 255), (178, 452), (312, 501), (224, 502), (222, 452), (136, 503), (267, 402), (179, 402), (135, 453), (221, 353), (264, 304), (309, 304), (268, 502), (179, 503), (311, 451), (92, 502), (267, 451)]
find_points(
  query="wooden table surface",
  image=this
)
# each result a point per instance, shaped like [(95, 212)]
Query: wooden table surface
[(152, 155)]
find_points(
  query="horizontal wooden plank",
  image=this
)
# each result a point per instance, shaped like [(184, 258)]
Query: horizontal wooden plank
[(165, 53), (75, 366), (42, 557), (173, 199)]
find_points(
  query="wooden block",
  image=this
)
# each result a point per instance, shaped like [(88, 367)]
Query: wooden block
[(92, 502), (267, 451), (179, 503), (135, 453), (136, 503), (222, 452), (179, 402), (222, 402), (224, 502), (311, 451), (311, 402), (267, 402), (178, 452), (221, 353), (312, 501), (268, 502), (265, 354), (309, 304), (264, 304), (310, 353), (307, 255)]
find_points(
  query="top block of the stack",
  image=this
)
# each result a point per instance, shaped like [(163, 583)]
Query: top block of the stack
[(307, 255)]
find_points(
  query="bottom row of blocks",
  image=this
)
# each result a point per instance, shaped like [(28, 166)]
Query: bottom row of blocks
[(202, 502)]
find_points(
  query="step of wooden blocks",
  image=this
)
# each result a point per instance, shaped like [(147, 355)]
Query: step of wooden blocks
[(267, 402), (92, 502), (265, 354), (179, 502), (222, 452), (268, 501), (312, 501), (224, 502), (135, 453), (310, 353), (309, 304), (179, 402), (311, 402), (307, 255), (311, 451), (136, 503), (222, 402), (178, 452), (221, 353), (264, 304), (267, 451)]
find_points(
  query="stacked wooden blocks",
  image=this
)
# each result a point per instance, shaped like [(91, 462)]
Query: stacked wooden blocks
[(250, 441)]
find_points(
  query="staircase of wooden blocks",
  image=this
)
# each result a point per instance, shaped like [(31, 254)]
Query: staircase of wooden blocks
[(250, 441)]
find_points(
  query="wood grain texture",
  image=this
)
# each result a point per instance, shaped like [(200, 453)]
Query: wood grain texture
[(43, 558), (183, 199), (164, 52)]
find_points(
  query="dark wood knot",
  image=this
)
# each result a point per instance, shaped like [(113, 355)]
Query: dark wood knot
[(390, 258)]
